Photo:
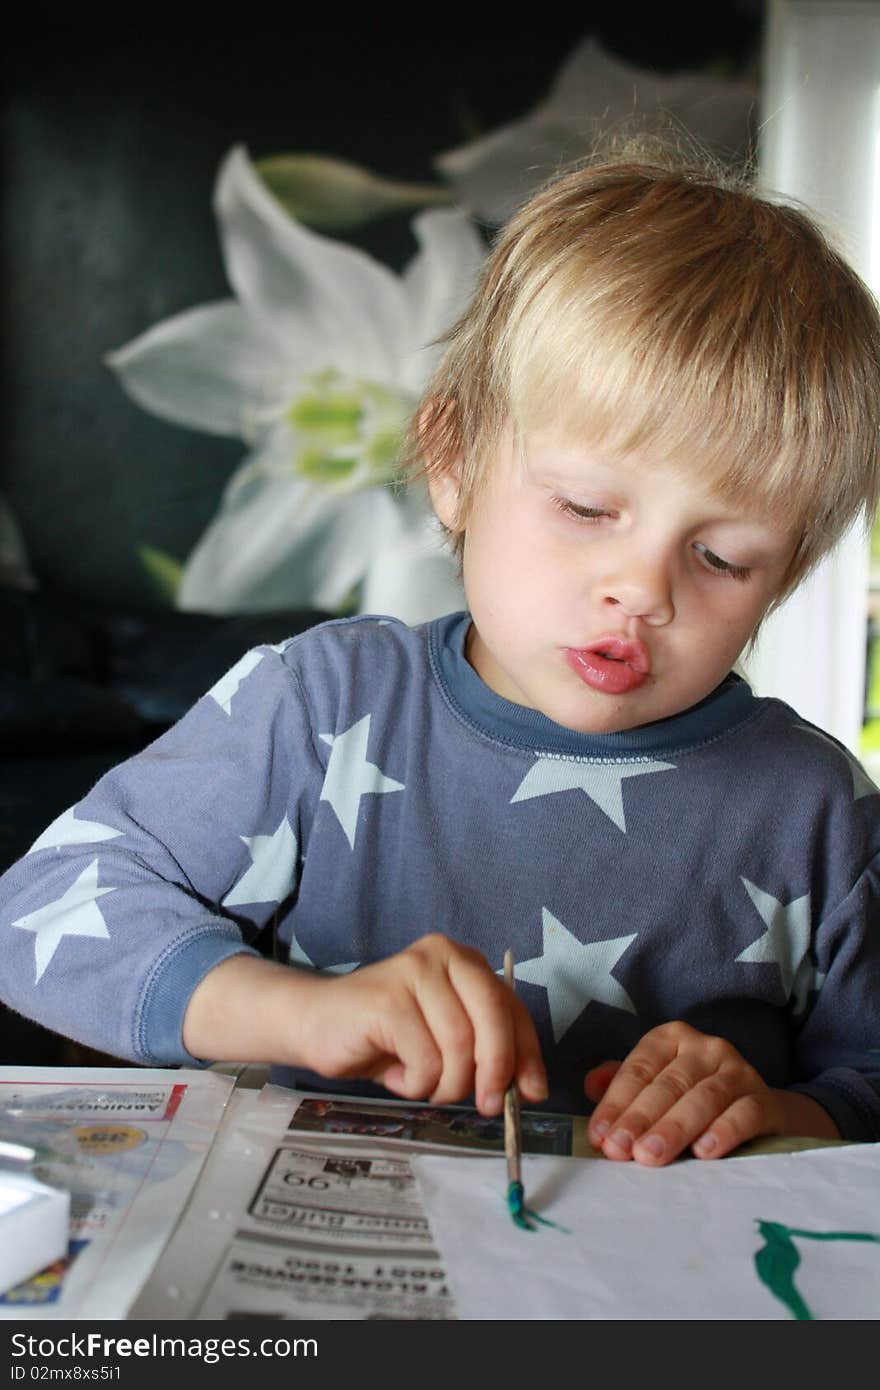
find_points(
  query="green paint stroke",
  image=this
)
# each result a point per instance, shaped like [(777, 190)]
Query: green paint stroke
[(778, 1259), (522, 1215)]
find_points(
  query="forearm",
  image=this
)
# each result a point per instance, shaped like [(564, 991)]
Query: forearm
[(249, 1010)]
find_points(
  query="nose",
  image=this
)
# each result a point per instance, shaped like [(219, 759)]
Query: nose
[(642, 589)]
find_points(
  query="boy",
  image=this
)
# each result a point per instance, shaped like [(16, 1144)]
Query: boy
[(659, 412)]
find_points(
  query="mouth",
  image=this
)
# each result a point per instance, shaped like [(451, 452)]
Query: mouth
[(612, 664)]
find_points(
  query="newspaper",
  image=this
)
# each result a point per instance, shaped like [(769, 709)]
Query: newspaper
[(308, 1209), (128, 1144)]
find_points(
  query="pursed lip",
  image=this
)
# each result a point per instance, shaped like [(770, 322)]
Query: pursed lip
[(612, 664), (618, 648)]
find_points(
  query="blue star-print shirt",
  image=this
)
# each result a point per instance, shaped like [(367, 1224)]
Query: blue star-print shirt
[(359, 785)]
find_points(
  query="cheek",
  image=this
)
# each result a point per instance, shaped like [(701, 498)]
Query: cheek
[(495, 542), (736, 603), (735, 628)]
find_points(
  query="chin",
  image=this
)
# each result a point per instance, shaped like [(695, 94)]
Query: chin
[(595, 721)]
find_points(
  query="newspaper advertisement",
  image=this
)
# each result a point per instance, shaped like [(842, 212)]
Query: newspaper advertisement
[(128, 1145), (329, 1222)]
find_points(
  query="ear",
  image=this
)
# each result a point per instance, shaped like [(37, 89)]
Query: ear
[(443, 474), (444, 489)]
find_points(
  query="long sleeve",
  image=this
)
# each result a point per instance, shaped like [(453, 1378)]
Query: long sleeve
[(171, 864), (838, 1046)]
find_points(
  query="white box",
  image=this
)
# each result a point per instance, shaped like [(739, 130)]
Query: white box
[(34, 1226)]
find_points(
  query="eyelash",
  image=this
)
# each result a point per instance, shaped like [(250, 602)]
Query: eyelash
[(591, 515), (578, 513), (723, 568)]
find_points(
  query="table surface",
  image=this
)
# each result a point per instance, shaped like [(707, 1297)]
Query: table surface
[(243, 1103)]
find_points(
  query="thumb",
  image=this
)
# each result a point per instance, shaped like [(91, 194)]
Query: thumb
[(598, 1079)]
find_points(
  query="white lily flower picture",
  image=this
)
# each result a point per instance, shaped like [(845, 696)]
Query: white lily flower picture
[(316, 364), (594, 95)]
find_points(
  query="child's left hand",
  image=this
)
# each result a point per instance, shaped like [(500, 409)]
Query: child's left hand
[(678, 1088)]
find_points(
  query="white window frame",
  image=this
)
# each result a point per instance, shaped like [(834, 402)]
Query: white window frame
[(818, 145)]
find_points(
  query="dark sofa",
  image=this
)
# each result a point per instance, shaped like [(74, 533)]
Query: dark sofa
[(81, 689)]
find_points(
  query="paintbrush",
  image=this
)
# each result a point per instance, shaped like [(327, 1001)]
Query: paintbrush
[(513, 1130)]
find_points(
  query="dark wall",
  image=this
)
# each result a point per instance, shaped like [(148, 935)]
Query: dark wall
[(115, 121)]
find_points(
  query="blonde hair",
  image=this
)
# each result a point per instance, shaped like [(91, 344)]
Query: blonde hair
[(649, 306)]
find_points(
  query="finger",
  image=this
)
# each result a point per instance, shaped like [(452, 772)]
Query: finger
[(747, 1118), (447, 1017), (506, 1044), (667, 1135), (676, 1106), (416, 1064), (490, 1008), (531, 1073), (598, 1079), (647, 1059), (423, 1041)]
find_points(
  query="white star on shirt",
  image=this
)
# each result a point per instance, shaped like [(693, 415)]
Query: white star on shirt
[(349, 776), (602, 782), (785, 943), (862, 784), (574, 973), (297, 956), (68, 829), (75, 913), (272, 874), (227, 686)]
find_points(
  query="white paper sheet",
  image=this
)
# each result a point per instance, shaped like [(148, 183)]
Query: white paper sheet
[(673, 1243)]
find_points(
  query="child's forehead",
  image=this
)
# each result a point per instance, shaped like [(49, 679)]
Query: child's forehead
[(570, 452)]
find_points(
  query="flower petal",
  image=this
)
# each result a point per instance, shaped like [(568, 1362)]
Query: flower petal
[(438, 282), (204, 368), (593, 94), (335, 195), (280, 541), (306, 288), (494, 175), (593, 82), (414, 576)]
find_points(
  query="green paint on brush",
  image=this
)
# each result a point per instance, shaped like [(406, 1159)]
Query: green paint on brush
[(516, 1206), (778, 1259), (523, 1216)]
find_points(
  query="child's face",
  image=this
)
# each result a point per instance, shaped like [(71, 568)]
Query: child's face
[(608, 592)]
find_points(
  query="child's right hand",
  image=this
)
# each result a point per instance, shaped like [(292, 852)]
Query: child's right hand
[(432, 1022)]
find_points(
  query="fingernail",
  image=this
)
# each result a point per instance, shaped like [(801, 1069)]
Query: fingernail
[(537, 1085), (654, 1145), (621, 1139), (493, 1101), (600, 1130), (706, 1144)]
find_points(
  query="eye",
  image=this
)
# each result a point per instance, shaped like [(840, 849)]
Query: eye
[(718, 566), (579, 513)]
